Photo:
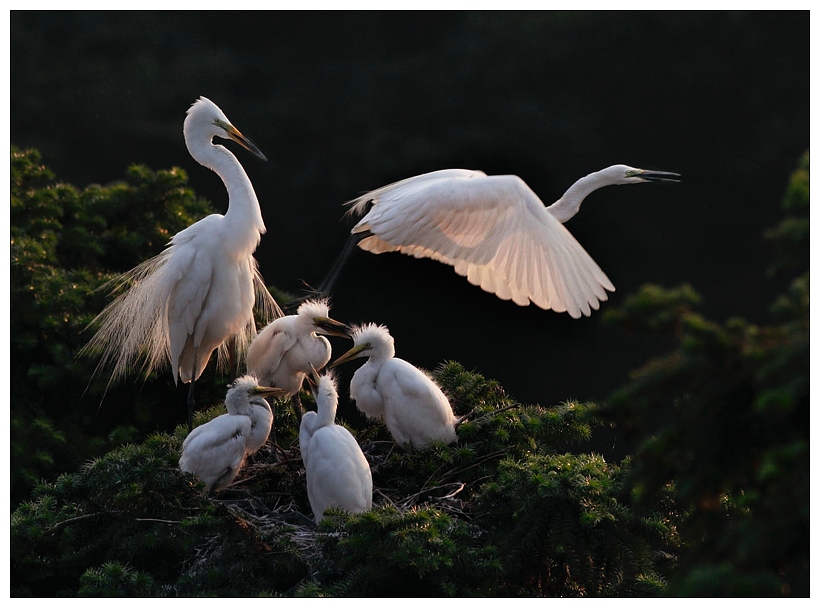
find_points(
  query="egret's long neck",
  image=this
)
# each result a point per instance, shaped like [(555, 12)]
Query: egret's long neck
[(259, 402), (243, 206), (569, 204), (238, 407), (326, 411)]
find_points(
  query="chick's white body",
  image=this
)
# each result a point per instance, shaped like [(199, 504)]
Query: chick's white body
[(414, 408), (337, 472), (216, 450), (289, 347), (261, 417)]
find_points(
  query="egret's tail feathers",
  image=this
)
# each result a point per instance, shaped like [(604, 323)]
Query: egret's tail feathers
[(130, 331), (266, 306)]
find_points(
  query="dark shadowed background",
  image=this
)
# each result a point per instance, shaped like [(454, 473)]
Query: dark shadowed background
[(345, 102)]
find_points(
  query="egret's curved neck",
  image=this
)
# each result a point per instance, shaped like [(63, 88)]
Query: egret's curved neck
[(238, 407), (243, 206), (326, 413), (382, 351), (261, 403), (569, 204)]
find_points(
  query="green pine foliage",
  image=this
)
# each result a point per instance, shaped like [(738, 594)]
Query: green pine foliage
[(562, 530), (130, 523), (65, 244), (113, 579), (724, 421)]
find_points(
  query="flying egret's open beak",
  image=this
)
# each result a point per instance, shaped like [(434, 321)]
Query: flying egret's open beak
[(351, 354), (268, 391), (231, 132), (332, 327), (659, 176)]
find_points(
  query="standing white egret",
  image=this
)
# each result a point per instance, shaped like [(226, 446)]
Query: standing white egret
[(338, 475), (216, 450), (414, 408), (198, 294), (290, 347), (495, 231)]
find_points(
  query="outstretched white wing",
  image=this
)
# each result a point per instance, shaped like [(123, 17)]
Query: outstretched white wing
[(493, 230)]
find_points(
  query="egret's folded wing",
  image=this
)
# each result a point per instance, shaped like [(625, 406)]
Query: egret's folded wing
[(193, 272), (266, 351), (493, 230), (216, 449), (267, 311)]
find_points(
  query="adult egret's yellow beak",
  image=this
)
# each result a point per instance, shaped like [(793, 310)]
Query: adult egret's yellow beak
[(231, 132)]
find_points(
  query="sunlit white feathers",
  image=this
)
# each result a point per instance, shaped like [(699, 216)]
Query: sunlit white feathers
[(291, 346), (412, 405), (337, 472), (216, 450), (495, 231), (199, 293)]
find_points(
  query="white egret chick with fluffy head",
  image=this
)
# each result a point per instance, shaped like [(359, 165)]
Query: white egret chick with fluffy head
[(338, 474), (414, 408), (216, 450), (290, 347)]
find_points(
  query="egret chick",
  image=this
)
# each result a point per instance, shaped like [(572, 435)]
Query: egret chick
[(338, 475), (290, 347), (493, 230), (414, 408), (199, 293), (216, 450)]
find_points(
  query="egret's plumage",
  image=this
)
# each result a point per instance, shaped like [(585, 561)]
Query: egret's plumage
[(495, 231), (199, 293), (261, 416), (291, 346), (414, 408), (337, 472), (216, 450)]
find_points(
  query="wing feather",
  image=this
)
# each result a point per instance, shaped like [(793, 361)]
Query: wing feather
[(265, 353), (493, 230)]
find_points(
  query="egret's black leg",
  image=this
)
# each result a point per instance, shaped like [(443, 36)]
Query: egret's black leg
[(329, 281), (191, 401), (296, 404), (274, 447), (191, 404)]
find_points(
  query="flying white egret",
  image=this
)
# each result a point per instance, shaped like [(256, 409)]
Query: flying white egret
[(198, 294), (414, 408), (494, 230), (216, 450), (338, 475), (290, 347)]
